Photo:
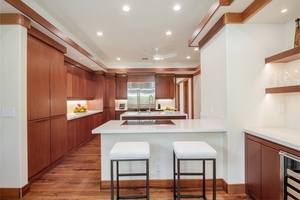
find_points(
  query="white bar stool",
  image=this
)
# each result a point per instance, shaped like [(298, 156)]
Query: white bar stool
[(129, 151), (192, 151)]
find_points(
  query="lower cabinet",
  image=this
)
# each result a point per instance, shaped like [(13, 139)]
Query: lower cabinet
[(58, 138), (38, 146), (80, 129), (262, 163)]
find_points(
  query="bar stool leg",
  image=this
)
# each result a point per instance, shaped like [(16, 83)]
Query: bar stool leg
[(178, 177), (203, 179), (118, 185), (214, 179), (147, 178), (111, 180), (174, 176)]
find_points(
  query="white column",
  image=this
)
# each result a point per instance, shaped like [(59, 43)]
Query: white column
[(13, 101)]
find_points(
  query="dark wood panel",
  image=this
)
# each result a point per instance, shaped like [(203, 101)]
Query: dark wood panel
[(121, 87), (38, 86), (59, 145), (118, 113), (253, 168), (71, 134), (58, 85), (270, 173), (38, 146)]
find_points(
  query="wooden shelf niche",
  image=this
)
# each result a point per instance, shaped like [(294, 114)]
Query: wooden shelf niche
[(284, 57), (285, 89)]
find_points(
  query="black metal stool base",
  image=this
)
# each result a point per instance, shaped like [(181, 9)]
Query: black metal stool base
[(176, 178), (146, 174)]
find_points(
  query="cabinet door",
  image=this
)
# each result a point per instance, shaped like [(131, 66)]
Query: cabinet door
[(270, 173), (121, 88), (58, 85), (164, 87), (58, 138), (118, 114), (97, 120), (253, 168), (38, 146), (38, 87), (71, 134)]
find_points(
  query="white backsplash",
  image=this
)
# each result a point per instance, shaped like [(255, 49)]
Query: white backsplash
[(165, 103)]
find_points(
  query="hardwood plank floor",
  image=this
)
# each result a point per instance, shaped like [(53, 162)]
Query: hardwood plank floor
[(77, 178)]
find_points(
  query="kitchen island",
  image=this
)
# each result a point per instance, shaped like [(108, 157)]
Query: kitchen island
[(161, 136)]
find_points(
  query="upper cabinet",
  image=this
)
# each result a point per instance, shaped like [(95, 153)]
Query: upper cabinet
[(121, 87), (165, 86), (80, 83), (285, 57)]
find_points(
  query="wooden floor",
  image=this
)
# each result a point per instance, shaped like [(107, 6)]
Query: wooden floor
[(77, 178)]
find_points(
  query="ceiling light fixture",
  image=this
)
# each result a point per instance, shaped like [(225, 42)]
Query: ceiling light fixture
[(176, 7), (168, 33), (196, 49), (99, 33), (118, 58), (284, 10), (126, 8), (188, 57)]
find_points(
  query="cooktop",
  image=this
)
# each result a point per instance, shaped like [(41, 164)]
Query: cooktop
[(147, 122)]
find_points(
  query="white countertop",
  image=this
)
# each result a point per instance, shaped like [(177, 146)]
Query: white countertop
[(71, 116), (283, 136), (153, 113), (181, 126)]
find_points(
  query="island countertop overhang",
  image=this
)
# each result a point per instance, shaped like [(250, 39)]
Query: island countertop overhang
[(180, 126)]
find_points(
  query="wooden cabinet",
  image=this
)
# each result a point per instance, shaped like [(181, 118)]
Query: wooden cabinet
[(80, 83), (118, 114), (121, 87), (284, 57), (58, 138), (109, 98), (262, 166), (80, 129), (46, 101), (38, 146), (165, 86)]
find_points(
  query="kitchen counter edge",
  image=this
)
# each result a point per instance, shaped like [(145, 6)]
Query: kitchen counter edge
[(72, 116)]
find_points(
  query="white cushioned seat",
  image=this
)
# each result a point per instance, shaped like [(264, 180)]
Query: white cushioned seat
[(130, 150), (193, 150)]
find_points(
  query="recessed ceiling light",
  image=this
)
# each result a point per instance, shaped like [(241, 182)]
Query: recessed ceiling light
[(188, 57), (177, 7), (79, 58), (196, 49), (99, 33), (126, 8), (168, 33), (284, 10), (118, 58)]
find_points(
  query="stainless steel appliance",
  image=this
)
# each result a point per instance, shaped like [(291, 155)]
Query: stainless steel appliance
[(289, 176), (140, 95)]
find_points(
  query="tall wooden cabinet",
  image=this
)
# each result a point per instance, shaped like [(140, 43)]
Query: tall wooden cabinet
[(109, 97), (46, 101), (121, 86), (165, 86)]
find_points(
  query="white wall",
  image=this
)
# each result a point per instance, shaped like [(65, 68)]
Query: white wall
[(13, 85), (233, 81)]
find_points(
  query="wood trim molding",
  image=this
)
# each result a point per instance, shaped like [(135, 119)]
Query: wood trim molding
[(44, 38), (14, 18), (233, 18), (18, 4), (234, 188), (197, 73), (214, 7), (129, 70), (12, 193), (77, 64)]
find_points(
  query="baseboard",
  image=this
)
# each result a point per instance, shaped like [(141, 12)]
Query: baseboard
[(234, 188), (166, 183), (9, 193), (186, 183)]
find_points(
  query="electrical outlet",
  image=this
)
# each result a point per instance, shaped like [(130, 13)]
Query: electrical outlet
[(158, 167)]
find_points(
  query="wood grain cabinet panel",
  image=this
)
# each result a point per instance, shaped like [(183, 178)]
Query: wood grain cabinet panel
[(71, 134), (270, 173), (164, 87), (38, 147), (121, 87), (59, 143), (253, 168), (38, 85)]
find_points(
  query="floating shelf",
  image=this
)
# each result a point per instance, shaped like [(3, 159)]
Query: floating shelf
[(285, 89), (284, 57)]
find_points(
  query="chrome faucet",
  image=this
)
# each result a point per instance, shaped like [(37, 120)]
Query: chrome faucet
[(150, 102)]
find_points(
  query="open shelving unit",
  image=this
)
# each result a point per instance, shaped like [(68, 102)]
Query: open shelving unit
[(284, 57)]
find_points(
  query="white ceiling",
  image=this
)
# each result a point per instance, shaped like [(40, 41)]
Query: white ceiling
[(142, 29)]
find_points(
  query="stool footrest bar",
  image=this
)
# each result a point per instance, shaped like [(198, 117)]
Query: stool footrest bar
[(190, 174), (133, 197), (190, 196), (133, 174)]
